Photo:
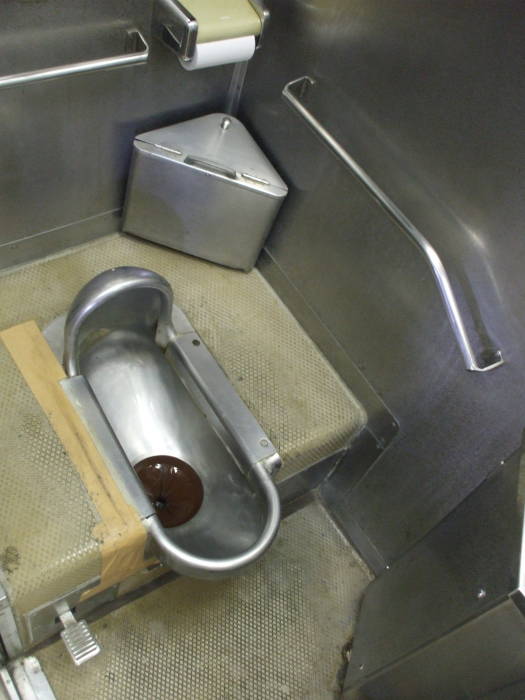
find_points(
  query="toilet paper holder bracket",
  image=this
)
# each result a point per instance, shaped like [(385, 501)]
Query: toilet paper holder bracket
[(264, 16), (178, 28)]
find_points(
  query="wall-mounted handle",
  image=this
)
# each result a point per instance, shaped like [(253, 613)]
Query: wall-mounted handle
[(137, 51), (210, 167), (292, 93)]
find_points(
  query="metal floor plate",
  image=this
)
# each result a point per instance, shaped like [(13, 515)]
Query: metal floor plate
[(276, 631), (295, 394)]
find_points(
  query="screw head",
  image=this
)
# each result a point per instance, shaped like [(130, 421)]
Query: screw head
[(263, 443)]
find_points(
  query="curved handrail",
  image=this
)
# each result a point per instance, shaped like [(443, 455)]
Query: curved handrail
[(134, 39), (438, 269)]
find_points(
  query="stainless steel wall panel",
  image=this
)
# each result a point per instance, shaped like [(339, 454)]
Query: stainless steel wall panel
[(65, 144), (426, 96), (70, 234), (465, 664), (465, 566)]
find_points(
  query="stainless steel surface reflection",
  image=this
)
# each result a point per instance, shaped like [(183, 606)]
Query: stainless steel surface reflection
[(162, 392), (152, 413)]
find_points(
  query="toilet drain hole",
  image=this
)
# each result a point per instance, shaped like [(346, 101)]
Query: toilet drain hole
[(160, 503), (173, 487)]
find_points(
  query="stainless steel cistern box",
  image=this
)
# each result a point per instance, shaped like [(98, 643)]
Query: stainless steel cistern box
[(203, 187)]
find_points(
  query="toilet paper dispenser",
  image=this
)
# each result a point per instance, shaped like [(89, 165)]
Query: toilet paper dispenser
[(182, 26)]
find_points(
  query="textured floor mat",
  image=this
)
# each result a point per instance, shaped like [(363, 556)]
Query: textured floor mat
[(299, 400), (275, 632), (46, 516)]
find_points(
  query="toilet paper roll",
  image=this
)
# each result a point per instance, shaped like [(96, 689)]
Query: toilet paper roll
[(218, 53)]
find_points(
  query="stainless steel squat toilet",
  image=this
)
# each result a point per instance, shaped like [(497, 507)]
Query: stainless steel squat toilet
[(135, 357)]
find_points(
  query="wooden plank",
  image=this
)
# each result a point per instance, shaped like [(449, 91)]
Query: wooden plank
[(120, 532)]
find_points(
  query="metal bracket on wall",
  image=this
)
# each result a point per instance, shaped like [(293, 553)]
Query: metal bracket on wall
[(264, 16), (136, 51), (293, 92), (178, 28)]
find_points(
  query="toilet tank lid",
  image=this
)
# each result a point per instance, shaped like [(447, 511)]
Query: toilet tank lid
[(217, 138)]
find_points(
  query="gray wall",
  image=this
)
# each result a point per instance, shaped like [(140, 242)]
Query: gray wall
[(65, 144), (428, 95)]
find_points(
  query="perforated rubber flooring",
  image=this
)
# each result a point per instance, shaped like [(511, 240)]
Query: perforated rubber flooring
[(295, 394), (46, 518), (276, 631)]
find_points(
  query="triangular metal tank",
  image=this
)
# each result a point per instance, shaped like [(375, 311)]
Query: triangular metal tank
[(203, 187)]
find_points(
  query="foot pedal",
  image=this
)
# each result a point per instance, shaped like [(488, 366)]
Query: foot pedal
[(78, 639)]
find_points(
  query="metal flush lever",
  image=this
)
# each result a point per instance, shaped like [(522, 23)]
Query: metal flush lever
[(78, 639)]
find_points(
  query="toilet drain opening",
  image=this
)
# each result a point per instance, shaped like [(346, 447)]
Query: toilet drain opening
[(173, 487)]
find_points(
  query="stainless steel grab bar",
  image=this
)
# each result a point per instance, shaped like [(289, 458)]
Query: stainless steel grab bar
[(440, 274), (139, 52)]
